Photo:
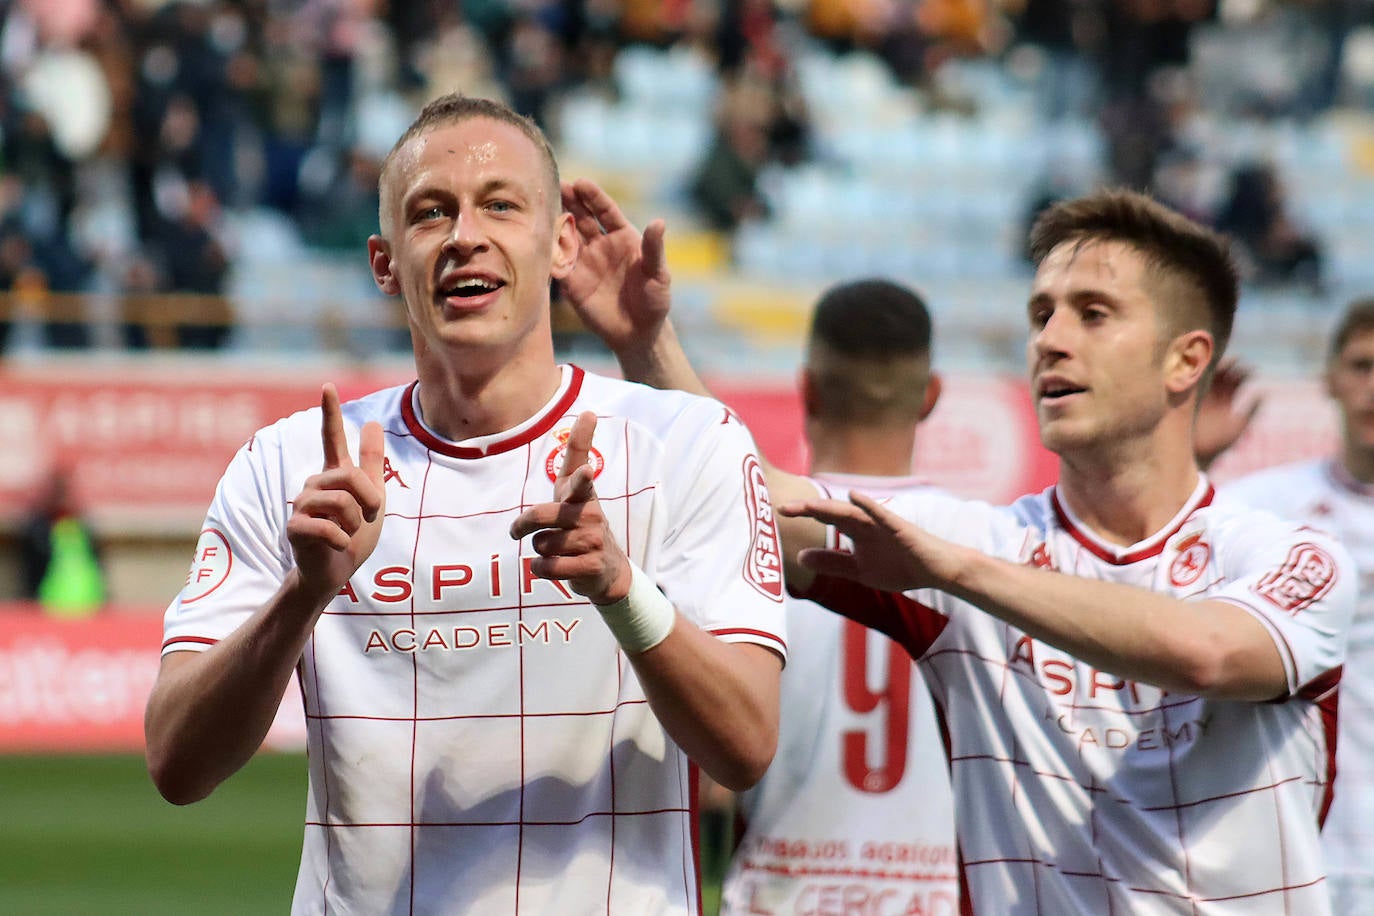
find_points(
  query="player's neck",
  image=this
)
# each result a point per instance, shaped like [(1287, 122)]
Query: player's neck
[(460, 402), (868, 452), (1125, 498), (1358, 463)]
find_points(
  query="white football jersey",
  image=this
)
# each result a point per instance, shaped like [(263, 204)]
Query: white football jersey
[(1320, 493), (477, 741), (854, 815), (1080, 792)]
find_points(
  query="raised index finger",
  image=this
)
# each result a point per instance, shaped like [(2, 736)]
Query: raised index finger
[(332, 429), (579, 444)]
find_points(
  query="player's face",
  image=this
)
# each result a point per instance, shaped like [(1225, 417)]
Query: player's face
[(1350, 380), (472, 240), (1095, 355)]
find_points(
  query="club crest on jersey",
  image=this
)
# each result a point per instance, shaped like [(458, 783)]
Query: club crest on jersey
[(1193, 556), (763, 562), (1306, 576), (209, 567), (554, 462)]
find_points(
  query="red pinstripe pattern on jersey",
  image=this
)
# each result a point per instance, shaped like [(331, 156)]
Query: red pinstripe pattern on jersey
[(612, 498), (488, 716), (694, 829), (1152, 891), (1178, 818), (415, 674), (520, 618), (619, 677), (324, 776), (528, 823), (450, 612)]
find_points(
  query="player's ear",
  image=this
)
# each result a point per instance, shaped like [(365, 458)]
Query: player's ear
[(379, 257), (934, 388), (1187, 360), (566, 246)]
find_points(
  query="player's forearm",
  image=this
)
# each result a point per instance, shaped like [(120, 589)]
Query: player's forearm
[(209, 711), (717, 700), (661, 363), (1214, 649)]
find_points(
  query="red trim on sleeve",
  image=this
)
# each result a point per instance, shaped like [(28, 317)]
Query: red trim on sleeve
[(1328, 704), (913, 625), (198, 640)]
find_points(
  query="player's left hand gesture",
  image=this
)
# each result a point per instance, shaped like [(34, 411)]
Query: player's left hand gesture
[(889, 553), (571, 535), (619, 287)]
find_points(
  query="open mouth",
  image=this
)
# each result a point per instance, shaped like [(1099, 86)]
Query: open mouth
[(471, 288), (1054, 392)]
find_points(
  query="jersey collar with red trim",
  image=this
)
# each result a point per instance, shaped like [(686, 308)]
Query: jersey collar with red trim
[(1151, 546), (1347, 481), (495, 444)]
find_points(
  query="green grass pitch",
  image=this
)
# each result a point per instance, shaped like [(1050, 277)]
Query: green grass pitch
[(89, 836)]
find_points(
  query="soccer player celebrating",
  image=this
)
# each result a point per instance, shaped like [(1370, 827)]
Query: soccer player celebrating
[(1132, 677), (1336, 495), (855, 811), (479, 740)]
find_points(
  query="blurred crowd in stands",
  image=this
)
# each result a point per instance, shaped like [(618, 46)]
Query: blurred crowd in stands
[(130, 127)]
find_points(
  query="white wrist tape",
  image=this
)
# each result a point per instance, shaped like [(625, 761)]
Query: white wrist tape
[(643, 618)]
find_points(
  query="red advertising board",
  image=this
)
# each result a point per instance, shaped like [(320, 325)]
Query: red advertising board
[(81, 685), (144, 444), (147, 443), (75, 685)]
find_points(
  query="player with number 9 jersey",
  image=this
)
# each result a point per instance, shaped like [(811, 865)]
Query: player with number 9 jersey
[(855, 813)]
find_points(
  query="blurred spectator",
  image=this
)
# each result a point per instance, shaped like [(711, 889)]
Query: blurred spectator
[(1067, 34), (196, 262), (60, 556), (725, 186), (1271, 247), (343, 207), (535, 69), (142, 307)]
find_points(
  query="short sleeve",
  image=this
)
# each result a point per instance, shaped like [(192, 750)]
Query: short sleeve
[(240, 558), (917, 618), (720, 561), (1301, 585)]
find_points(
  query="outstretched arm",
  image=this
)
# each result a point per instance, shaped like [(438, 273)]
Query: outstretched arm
[(621, 291), (718, 700), (1211, 648), (209, 711)]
